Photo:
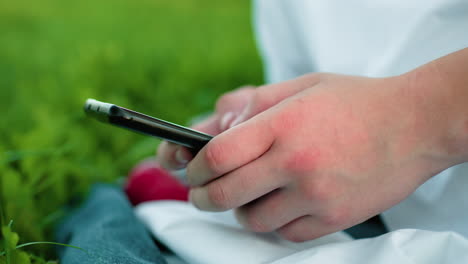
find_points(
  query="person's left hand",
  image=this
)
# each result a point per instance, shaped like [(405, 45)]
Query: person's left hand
[(331, 156)]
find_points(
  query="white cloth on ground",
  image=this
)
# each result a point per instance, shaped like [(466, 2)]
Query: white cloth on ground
[(204, 238)]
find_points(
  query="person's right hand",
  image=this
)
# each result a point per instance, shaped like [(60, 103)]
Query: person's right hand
[(231, 109)]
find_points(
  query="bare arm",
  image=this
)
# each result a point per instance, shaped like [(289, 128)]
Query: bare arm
[(441, 90)]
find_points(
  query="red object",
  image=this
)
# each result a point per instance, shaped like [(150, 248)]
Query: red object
[(149, 182)]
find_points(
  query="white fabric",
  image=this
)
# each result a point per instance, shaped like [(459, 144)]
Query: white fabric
[(202, 237), (405, 246), (212, 238), (376, 39), (361, 37)]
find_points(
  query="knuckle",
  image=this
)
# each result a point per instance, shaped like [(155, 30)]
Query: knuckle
[(214, 157), (286, 121), (320, 190), (218, 197), (302, 162)]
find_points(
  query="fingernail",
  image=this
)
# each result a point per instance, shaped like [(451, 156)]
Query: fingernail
[(181, 157), (226, 120), (236, 121)]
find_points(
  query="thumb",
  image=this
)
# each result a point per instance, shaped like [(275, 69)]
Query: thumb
[(268, 96)]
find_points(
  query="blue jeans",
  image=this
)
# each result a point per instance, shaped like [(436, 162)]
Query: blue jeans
[(108, 231)]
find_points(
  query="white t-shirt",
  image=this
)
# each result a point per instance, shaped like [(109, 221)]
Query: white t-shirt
[(374, 38)]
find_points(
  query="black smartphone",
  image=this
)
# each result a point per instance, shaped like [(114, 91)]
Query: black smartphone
[(126, 118)]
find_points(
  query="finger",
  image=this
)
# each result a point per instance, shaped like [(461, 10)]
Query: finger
[(172, 157), (228, 107), (234, 101), (230, 150), (226, 120), (210, 125), (216, 123), (270, 95), (270, 212), (238, 187), (305, 228)]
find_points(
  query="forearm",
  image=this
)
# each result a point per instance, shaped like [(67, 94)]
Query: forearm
[(440, 90)]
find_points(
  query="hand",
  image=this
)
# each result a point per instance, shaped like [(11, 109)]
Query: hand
[(228, 107), (231, 109), (338, 151)]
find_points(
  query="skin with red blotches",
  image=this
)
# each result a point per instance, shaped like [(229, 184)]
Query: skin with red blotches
[(323, 152)]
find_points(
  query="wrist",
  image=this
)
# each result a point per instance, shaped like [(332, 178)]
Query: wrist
[(441, 116)]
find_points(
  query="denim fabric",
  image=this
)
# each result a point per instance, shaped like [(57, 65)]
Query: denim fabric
[(107, 229)]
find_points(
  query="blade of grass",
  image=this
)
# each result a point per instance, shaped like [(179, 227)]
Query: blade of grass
[(45, 242), (50, 243), (7, 250)]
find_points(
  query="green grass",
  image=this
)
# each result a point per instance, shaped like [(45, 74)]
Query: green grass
[(170, 59)]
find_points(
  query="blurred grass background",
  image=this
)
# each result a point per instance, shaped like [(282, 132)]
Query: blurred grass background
[(170, 59)]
